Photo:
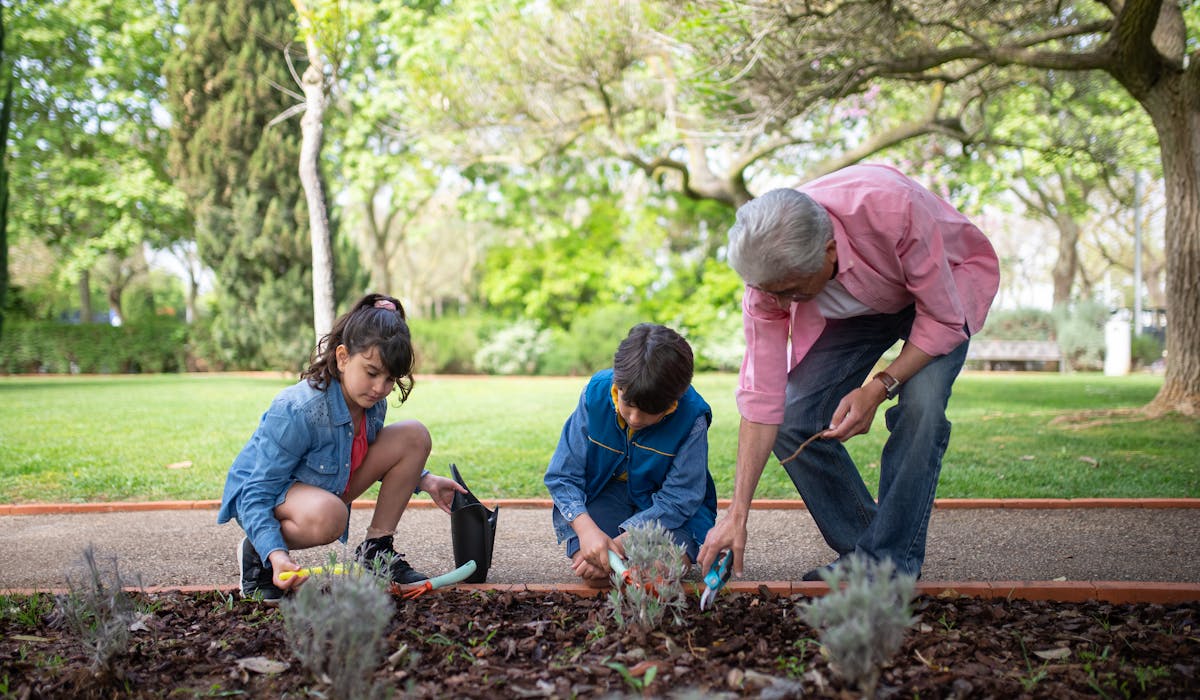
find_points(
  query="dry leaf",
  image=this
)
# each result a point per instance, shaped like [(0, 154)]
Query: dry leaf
[(1090, 460), (1054, 654), (261, 664), (185, 464)]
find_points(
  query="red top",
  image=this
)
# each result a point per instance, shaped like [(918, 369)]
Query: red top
[(358, 448)]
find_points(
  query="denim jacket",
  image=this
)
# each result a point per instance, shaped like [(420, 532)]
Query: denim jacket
[(678, 492), (305, 436)]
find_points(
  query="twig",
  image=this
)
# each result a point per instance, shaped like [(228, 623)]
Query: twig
[(801, 448)]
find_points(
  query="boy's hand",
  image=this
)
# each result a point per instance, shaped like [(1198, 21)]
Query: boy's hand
[(441, 490), (593, 543)]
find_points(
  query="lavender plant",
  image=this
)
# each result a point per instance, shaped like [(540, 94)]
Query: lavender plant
[(862, 620), (97, 609), (335, 625), (657, 565)]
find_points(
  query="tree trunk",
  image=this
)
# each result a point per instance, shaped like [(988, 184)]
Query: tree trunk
[(1175, 109), (311, 129), (1067, 263), (85, 297)]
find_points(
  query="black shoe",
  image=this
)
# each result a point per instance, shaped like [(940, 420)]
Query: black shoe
[(378, 552), (815, 574), (257, 577)]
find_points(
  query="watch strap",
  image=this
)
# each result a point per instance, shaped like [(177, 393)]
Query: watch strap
[(890, 384)]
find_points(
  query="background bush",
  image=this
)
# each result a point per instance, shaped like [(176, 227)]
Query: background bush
[(94, 348)]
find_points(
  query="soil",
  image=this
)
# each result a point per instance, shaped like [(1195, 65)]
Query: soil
[(491, 644)]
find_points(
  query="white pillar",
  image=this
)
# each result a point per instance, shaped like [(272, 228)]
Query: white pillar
[(1116, 345)]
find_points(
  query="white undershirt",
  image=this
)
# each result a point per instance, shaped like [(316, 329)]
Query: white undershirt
[(835, 302)]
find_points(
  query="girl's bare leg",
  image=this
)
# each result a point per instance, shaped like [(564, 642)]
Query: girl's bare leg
[(310, 516), (396, 458)]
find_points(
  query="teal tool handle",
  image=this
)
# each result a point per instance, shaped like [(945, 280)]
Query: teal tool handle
[(455, 576), (617, 564), (719, 573)]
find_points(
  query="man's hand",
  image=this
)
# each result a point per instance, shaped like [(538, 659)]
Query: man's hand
[(441, 490), (856, 411), (728, 534)]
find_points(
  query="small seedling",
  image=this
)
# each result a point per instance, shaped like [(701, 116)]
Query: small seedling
[(335, 627), (862, 620), (656, 565)]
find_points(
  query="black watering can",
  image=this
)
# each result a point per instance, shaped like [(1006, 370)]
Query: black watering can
[(472, 530)]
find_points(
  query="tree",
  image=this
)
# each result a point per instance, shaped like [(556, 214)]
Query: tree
[(799, 53), (5, 113), (85, 144), (324, 32), (226, 82)]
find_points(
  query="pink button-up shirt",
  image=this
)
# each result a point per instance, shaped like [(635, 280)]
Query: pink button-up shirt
[(897, 244)]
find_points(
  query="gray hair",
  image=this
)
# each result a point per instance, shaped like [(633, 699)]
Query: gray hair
[(782, 233)]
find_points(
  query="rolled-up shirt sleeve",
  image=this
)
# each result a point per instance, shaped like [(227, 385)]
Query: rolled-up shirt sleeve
[(762, 382)]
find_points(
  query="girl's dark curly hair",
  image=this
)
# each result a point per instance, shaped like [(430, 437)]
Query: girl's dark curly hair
[(376, 321)]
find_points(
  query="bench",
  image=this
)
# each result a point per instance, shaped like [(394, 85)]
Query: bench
[(1015, 354)]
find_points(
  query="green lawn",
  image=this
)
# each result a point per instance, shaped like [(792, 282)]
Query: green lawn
[(111, 438)]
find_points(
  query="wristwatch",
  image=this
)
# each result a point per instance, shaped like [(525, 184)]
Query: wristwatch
[(890, 384)]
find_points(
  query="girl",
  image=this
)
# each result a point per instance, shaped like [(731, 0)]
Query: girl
[(322, 443)]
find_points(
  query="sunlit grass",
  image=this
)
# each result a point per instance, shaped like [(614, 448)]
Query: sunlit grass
[(112, 438)]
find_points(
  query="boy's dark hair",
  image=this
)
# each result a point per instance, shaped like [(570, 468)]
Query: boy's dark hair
[(376, 321), (652, 367)]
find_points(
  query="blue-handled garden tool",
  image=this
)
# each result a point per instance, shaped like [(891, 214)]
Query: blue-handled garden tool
[(716, 578)]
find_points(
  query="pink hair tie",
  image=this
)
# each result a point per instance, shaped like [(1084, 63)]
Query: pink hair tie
[(385, 304)]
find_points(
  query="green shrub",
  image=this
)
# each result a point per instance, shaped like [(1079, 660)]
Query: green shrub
[(97, 610), (1019, 324), (591, 342), (1079, 327), (657, 565), (335, 626), (862, 620), (160, 345), (515, 349), (447, 345), (1146, 349)]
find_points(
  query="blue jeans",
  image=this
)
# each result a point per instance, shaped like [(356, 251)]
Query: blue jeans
[(613, 506), (825, 476)]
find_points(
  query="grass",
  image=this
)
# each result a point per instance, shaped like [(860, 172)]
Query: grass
[(111, 438)]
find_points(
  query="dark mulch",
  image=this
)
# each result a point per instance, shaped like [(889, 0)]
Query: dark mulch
[(495, 644)]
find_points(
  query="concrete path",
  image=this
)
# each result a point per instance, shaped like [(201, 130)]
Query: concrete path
[(185, 547)]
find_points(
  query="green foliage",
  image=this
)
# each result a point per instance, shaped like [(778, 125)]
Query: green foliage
[(657, 565), (515, 349), (1145, 349), (98, 611), (1080, 330), (1019, 324), (335, 626), (862, 620), (591, 342), (39, 346), (447, 345)]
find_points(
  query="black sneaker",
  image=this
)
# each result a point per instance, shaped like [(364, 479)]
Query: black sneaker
[(257, 578), (379, 552)]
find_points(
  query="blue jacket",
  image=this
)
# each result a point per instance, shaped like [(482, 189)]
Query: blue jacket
[(666, 463), (304, 436)]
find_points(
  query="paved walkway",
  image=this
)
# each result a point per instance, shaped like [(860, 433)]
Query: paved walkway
[(180, 544)]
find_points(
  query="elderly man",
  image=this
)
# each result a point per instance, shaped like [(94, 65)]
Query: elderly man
[(836, 272)]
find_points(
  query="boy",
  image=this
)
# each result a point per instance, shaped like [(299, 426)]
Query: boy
[(634, 450)]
